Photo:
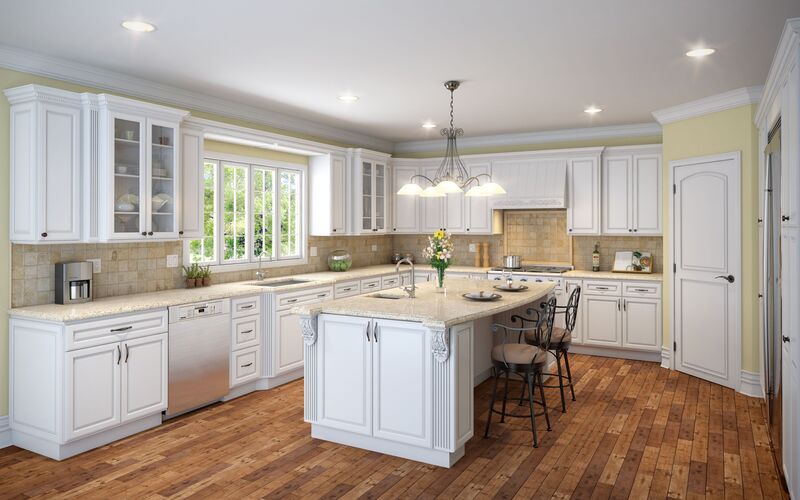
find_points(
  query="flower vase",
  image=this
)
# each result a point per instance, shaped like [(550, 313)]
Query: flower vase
[(440, 281)]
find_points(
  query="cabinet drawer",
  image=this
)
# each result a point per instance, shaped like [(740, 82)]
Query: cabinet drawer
[(246, 306), (347, 289), (391, 281), (104, 331), (245, 332), (288, 300), (244, 365), (613, 288), (642, 289), (371, 284)]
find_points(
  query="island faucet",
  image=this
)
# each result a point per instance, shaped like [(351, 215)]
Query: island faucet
[(410, 290), (260, 275)]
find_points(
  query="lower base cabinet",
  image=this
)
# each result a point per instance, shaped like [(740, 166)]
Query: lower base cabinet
[(641, 324), (603, 320), (288, 342)]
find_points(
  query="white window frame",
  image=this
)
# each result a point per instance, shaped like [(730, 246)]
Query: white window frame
[(251, 262)]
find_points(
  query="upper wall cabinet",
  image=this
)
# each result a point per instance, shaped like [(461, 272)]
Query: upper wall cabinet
[(583, 195), (328, 195), (192, 178), (632, 191), (405, 209), (371, 187), (45, 155), (138, 174)]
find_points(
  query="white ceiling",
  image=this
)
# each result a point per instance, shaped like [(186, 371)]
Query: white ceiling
[(526, 65)]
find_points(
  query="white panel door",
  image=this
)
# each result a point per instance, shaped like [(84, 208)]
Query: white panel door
[(60, 176), (706, 212), (617, 196), (338, 194), (602, 320), (432, 208), (479, 214), (401, 395), (406, 208), (790, 360), (641, 323), (344, 348), (583, 196), (144, 376), (455, 213), (288, 349), (92, 389), (647, 194), (192, 193)]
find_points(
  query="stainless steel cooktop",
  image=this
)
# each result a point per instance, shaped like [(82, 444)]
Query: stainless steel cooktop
[(533, 269)]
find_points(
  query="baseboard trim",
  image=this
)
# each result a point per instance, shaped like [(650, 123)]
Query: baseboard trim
[(666, 358), (750, 384), (5, 432), (611, 352)]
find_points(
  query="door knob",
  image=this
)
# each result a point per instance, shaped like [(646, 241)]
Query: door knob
[(785, 338), (729, 278)]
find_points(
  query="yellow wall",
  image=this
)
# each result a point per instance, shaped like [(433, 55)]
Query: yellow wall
[(252, 152), (716, 133)]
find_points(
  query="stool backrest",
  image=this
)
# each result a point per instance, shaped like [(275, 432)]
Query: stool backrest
[(544, 330), (571, 312)]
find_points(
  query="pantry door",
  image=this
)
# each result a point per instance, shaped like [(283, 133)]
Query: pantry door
[(706, 220)]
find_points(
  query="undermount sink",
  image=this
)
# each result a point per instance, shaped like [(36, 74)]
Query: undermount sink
[(288, 282), (389, 296)]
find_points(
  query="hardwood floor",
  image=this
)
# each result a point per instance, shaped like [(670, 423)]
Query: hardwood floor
[(636, 431)]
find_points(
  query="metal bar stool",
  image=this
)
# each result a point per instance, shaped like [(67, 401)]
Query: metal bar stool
[(526, 361), (559, 341)]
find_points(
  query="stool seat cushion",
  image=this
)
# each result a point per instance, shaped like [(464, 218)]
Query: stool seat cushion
[(559, 338), (519, 354)]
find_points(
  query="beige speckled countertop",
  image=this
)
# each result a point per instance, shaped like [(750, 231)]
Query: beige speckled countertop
[(608, 275), (430, 307), (125, 304)]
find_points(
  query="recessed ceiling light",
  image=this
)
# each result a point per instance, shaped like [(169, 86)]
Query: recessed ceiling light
[(428, 125), (701, 52), (138, 26), (592, 110), (348, 98)]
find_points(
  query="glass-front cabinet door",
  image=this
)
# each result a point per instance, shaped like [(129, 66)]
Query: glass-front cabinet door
[(163, 179), (129, 136), (380, 198), (366, 196), (373, 196)]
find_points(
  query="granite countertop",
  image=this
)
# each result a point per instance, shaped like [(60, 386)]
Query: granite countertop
[(608, 275), (125, 304), (432, 308)]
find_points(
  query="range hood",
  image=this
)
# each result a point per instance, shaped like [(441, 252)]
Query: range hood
[(531, 184)]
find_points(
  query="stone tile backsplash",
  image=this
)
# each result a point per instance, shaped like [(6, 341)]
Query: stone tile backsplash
[(462, 256), (583, 246), (537, 235)]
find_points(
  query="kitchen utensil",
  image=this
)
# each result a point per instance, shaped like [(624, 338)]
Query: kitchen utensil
[(481, 296), (511, 288), (339, 260), (396, 257), (512, 261)]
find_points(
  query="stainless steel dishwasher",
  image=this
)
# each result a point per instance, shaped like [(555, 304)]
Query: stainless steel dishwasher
[(199, 354)]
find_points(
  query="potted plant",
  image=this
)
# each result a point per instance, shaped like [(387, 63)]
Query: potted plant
[(192, 274), (206, 275), (440, 253)]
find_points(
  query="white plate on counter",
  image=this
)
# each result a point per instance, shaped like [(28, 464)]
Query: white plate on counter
[(482, 296)]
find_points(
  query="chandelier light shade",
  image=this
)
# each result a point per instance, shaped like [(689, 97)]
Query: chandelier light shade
[(451, 176)]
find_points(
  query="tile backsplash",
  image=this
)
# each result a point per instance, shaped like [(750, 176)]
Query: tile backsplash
[(462, 256), (583, 246), (537, 235)]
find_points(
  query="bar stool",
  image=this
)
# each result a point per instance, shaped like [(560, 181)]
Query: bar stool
[(526, 361), (559, 341)]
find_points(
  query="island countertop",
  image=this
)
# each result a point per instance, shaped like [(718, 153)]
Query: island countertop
[(431, 307)]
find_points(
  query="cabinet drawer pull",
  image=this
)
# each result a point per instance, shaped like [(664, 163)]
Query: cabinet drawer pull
[(248, 364), (127, 353), (248, 306), (617, 304), (291, 300), (321, 295), (624, 305), (346, 289), (375, 332), (641, 289), (248, 331), (602, 288), (123, 329), (119, 354), (366, 331)]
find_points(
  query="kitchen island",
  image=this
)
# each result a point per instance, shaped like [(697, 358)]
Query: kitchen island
[(395, 375)]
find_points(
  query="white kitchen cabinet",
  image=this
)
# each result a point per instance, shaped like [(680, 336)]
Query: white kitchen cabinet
[(288, 342), (641, 324), (45, 152), (583, 195), (478, 210), (603, 320), (632, 193), (192, 176), (455, 213), (328, 195), (375, 378), (371, 176), (138, 172), (144, 376), (406, 209), (432, 208), (92, 390)]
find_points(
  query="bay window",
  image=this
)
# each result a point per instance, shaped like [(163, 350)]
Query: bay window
[(252, 211)]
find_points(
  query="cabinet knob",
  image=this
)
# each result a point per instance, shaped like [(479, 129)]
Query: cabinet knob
[(180, 233), (144, 233), (150, 233), (333, 230), (467, 229), (569, 230), (635, 230), (44, 235), (784, 218), (630, 230)]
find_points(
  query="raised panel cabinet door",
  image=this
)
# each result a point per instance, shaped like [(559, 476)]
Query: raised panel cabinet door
[(432, 208), (401, 394), (192, 184), (583, 196), (603, 322), (406, 208), (288, 347), (60, 176), (344, 357), (479, 214), (92, 390), (641, 323), (455, 213), (144, 376), (617, 195), (647, 194), (338, 195), (790, 153)]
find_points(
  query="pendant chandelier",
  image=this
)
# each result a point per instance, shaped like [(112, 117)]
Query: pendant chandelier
[(452, 176)]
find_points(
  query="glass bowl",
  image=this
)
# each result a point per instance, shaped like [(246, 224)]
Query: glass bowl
[(340, 260)]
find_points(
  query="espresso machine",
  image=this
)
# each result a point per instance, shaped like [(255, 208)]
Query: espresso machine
[(73, 282)]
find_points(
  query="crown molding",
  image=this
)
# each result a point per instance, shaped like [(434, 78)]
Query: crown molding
[(531, 138), (42, 65), (712, 104), (786, 56)]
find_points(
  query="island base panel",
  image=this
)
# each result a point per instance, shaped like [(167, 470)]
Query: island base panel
[(425, 455)]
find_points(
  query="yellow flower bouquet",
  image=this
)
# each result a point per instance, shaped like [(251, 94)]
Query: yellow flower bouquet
[(440, 253)]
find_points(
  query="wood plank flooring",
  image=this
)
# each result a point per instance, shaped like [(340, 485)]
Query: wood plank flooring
[(636, 431)]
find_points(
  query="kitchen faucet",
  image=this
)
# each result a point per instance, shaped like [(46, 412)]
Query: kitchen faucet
[(410, 290), (260, 275)]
